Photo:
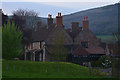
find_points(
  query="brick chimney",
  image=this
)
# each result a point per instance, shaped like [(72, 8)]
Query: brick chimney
[(49, 20), (74, 28), (85, 23), (59, 20)]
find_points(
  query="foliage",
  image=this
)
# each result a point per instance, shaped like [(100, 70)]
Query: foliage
[(58, 50), (96, 63), (105, 61), (116, 67), (11, 41)]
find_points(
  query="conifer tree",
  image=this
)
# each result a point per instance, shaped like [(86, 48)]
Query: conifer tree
[(11, 41)]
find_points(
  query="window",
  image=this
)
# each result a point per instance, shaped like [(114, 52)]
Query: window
[(84, 44)]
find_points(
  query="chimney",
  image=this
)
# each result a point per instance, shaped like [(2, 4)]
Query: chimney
[(75, 26), (49, 20), (59, 20), (85, 23)]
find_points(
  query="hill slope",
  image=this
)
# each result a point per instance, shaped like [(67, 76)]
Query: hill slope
[(103, 20)]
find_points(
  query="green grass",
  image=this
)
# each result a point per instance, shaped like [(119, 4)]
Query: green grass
[(29, 69), (107, 38)]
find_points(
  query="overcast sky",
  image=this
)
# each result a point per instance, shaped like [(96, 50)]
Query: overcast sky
[(53, 7)]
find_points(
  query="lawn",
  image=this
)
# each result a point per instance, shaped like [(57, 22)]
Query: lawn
[(29, 69), (107, 38)]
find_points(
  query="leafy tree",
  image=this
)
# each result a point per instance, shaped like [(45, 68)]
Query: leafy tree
[(11, 41)]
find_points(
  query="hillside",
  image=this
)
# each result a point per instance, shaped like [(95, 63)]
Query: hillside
[(103, 20), (29, 69)]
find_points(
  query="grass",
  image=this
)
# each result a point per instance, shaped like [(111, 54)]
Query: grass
[(107, 38), (29, 69)]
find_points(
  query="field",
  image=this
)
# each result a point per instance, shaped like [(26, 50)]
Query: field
[(29, 69), (107, 38)]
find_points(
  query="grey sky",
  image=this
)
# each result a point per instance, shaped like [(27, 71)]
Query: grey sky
[(45, 8)]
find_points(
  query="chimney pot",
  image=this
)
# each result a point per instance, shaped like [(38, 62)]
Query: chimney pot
[(49, 16), (85, 23), (49, 20), (60, 14), (59, 20)]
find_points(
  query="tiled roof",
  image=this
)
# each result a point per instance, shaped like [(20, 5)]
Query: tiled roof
[(80, 51), (57, 32), (95, 50), (42, 33), (71, 33)]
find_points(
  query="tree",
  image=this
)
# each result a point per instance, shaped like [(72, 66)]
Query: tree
[(19, 21), (11, 41), (58, 50), (26, 20), (27, 36), (26, 17)]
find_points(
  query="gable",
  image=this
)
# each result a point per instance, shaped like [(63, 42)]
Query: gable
[(58, 33), (86, 36)]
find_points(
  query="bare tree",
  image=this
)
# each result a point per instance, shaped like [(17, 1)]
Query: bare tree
[(25, 20), (25, 13), (28, 17)]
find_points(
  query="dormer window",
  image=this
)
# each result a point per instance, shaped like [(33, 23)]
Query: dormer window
[(84, 44)]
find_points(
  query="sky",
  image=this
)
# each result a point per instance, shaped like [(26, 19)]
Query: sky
[(52, 6)]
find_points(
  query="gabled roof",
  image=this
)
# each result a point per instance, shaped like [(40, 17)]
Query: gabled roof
[(73, 34), (95, 50), (86, 35), (87, 51), (55, 32), (42, 33), (80, 51), (49, 34)]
